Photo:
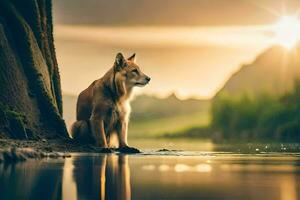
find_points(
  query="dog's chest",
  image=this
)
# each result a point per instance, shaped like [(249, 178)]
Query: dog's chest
[(118, 113)]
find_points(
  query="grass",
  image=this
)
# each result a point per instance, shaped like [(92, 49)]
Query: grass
[(200, 132), (161, 126)]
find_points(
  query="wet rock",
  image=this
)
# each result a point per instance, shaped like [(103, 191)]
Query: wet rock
[(49, 149), (128, 150), (56, 155), (167, 150), (30, 153), (53, 155), (14, 155), (67, 155), (163, 150)]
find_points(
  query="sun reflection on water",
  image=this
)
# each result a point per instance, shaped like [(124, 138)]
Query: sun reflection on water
[(69, 189), (180, 167), (203, 168), (164, 168)]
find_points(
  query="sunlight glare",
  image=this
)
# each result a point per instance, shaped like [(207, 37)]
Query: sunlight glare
[(164, 168), (181, 168), (287, 31), (203, 168)]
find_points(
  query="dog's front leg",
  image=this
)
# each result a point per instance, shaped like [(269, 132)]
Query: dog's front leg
[(122, 134), (97, 126)]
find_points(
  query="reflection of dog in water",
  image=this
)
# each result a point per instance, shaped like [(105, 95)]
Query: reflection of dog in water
[(105, 178), (103, 108)]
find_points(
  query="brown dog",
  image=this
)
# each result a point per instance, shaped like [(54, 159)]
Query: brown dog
[(103, 108)]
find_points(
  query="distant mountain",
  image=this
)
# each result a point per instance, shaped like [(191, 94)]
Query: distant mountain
[(273, 71), (146, 107)]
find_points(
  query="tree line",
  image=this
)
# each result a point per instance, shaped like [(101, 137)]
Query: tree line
[(263, 117)]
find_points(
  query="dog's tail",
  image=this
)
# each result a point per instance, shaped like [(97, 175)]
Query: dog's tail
[(81, 131)]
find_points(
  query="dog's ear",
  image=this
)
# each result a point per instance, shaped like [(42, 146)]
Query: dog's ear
[(132, 58), (120, 62)]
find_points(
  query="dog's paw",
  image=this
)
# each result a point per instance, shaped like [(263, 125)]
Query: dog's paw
[(128, 150)]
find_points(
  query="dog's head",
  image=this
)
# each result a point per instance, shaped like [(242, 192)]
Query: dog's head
[(128, 71)]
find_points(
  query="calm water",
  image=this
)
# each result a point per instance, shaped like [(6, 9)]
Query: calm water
[(207, 172)]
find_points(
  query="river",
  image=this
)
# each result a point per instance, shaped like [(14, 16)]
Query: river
[(167, 169)]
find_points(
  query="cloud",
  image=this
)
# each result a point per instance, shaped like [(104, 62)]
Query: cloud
[(167, 36), (170, 12)]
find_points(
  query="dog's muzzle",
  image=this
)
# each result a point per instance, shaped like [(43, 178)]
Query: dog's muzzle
[(144, 82)]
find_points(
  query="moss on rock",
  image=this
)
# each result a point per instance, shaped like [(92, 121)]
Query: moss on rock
[(15, 122)]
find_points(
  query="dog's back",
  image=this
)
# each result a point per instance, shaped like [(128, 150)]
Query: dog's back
[(84, 103), (80, 130)]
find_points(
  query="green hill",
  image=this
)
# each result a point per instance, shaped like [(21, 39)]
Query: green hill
[(152, 116), (273, 72)]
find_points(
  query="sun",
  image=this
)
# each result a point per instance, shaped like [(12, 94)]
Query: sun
[(287, 31)]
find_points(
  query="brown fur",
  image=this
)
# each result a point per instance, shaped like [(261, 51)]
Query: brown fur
[(103, 108)]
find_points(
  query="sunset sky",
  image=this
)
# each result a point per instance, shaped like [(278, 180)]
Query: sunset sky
[(190, 47)]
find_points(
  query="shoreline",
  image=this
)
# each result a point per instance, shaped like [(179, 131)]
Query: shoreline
[(12, 151)]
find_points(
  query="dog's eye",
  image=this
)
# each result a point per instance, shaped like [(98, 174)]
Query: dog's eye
[(135, 71)]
